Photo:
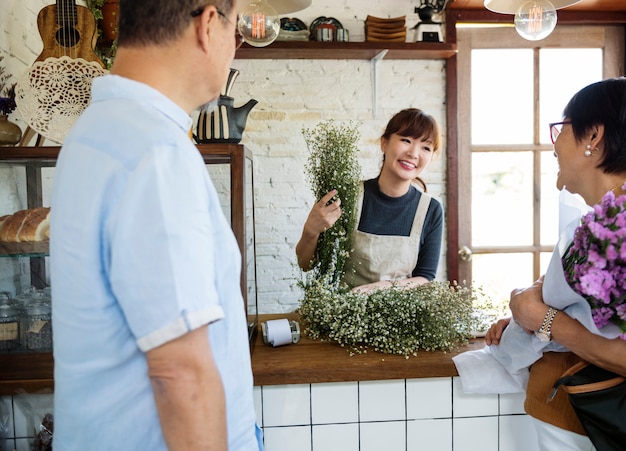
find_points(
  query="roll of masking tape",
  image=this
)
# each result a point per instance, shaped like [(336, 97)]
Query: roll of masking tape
[(279, 332)]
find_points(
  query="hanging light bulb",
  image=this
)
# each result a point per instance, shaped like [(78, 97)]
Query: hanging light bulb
[(259, 23), (535, 19)]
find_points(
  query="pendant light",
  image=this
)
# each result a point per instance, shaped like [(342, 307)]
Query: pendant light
[(534, 19), (259, 23)]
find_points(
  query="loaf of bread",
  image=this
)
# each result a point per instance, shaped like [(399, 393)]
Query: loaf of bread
[(25, 225), (35, 225), (12, 226), (3, 219)]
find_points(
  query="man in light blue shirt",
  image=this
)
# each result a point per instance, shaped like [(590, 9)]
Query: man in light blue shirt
[(151, 347)]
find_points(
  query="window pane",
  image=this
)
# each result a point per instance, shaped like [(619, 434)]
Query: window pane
[(499, 274), (502, 198), (563, 72), (544, 258), (549, 199), (502, 96)]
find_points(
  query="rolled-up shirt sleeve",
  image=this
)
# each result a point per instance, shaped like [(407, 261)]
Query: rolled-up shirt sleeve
[(162, 256)]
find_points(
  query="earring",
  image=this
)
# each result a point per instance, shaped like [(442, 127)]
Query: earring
[(588, 151)]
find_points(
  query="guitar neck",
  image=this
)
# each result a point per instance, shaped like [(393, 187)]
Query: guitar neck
[(66, 15)]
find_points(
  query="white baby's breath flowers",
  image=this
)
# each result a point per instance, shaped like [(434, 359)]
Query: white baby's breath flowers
[(333, 164), (436, 316)]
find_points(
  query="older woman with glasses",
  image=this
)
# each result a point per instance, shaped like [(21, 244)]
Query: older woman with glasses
[(553, 325), (151, 346)]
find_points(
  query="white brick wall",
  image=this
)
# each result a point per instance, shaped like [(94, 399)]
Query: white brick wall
[(292, 94)]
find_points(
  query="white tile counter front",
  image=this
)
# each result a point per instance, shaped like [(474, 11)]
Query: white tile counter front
[(313, 396), (392, 415)]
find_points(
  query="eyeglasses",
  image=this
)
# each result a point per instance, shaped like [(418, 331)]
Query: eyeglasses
[(555, 129), (238, 37)]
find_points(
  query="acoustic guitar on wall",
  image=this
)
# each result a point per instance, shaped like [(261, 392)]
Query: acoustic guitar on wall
[(67, 29)]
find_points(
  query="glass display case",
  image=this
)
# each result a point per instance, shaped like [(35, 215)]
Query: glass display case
[(231, 169), (26, 177)]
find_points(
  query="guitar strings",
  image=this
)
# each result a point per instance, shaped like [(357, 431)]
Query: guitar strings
[(66, 11), (60, 15)]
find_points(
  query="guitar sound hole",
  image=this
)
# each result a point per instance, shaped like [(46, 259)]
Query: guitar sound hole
[(67, 36)]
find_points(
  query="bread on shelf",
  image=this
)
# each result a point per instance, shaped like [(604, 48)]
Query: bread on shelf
[(28, 225), (35, 225)]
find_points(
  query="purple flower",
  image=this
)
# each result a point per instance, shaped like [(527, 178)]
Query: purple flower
[(601, 316), (621, 311), (595, 264), (599, 231), (611, 254), (596, 259), (597, 284)]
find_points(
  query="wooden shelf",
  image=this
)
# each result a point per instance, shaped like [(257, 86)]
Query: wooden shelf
[(32, 249), (347, 50), (28, 372), (36, 156)]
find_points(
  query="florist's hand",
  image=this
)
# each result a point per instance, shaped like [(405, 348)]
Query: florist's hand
[(373, 286), (323, 215), (408, 282), (528, 307), (494, 334)]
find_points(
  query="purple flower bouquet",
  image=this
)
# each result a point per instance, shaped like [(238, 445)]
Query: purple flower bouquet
[(595, 263)]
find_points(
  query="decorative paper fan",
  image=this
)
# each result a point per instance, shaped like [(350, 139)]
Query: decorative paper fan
[(53, 93)]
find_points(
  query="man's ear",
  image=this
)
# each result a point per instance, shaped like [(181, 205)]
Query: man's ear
[(204, 25)]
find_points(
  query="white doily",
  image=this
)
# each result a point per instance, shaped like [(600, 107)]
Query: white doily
[(53, 93)]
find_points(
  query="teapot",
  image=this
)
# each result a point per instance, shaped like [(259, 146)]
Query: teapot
[(226, 123)]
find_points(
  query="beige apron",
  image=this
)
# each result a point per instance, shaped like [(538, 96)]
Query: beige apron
[(384, 257)]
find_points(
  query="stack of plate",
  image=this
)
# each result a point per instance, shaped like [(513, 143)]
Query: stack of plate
[(292, 29), (385, 30)]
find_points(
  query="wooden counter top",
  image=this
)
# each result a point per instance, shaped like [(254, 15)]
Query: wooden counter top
[(313, 361), (309, 361)]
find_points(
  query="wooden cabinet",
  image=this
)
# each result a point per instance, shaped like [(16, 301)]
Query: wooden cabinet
[(231, 164)]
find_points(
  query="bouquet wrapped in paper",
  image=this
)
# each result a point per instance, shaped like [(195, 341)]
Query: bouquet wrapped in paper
[(504, 368), (595, 263)]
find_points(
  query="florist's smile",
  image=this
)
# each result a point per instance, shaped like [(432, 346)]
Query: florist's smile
[(408, 165)]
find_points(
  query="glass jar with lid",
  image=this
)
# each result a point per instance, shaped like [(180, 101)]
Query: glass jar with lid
[(9, 325), (36, 326)]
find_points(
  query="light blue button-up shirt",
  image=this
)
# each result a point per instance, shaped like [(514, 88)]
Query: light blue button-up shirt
[(140, 254)]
